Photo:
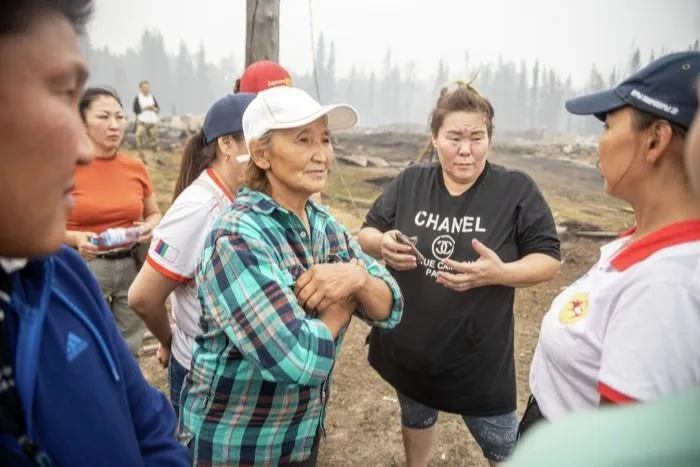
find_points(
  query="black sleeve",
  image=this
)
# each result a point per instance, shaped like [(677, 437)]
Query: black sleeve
[(155, 102), (536, 231), (137, 106), (382, 214)]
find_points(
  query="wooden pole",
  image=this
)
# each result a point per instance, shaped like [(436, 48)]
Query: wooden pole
[(263, 30)]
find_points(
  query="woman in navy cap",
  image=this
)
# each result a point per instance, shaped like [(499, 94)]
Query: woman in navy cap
[(627, 331), (212, 165)]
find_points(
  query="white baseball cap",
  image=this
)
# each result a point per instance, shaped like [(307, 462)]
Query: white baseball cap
[(284, 107)]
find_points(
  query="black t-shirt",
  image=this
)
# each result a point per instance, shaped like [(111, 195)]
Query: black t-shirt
[(453, 351)]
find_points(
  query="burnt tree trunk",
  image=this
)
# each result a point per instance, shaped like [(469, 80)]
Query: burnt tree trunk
[(263, 30)]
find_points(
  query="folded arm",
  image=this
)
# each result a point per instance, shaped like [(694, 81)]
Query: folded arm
[(246, 294)]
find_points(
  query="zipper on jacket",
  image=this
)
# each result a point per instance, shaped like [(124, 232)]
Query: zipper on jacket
[(32, 450), (31, 321)]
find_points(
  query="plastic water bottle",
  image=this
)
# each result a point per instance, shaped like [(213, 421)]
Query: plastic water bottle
[(111, 238)]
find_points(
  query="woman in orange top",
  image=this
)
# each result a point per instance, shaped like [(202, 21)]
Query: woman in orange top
[(115, 190)]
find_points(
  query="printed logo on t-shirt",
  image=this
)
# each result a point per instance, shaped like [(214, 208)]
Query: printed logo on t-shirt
[(443, 247), (165, 251), (574, 310), (451, 225)]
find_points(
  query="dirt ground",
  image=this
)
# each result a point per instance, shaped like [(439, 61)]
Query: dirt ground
[(363, 415)]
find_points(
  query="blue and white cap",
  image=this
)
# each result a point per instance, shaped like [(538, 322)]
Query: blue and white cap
[(663, 88)]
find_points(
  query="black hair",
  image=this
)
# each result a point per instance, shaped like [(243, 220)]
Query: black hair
[(197, 157), (91, 94), (18, 15)]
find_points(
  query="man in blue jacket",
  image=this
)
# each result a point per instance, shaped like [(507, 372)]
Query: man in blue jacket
[(70, 392)]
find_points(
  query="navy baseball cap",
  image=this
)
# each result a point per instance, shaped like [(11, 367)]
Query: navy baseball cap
[(225, 116), (663, 88)]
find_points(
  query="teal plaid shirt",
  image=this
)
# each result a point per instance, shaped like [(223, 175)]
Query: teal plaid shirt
[(258, 386)]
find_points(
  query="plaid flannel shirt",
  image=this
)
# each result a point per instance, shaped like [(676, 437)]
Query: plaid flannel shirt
[(258, 386)]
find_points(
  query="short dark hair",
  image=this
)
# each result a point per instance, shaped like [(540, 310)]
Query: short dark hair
[(93, 93), (18, 15)]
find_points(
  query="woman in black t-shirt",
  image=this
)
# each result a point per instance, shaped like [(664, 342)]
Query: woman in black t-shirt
[(481, 230)]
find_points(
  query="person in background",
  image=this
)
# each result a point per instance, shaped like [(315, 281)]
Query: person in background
[(146, 110), (481, 230), (212, 167), (278, 282), (627, 331), (662, 432), (70, 392), (113, 191)]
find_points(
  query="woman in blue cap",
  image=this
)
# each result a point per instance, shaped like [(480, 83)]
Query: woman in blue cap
[(627, 331), (212, 166)]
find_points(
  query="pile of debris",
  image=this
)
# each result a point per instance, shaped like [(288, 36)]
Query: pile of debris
[(561, 146), (173, 131), (397, 146)]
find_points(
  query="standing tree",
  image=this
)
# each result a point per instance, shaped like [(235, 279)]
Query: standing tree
[(534, 94), (155, 68), (596, 83), (329, 76), (441, 76), (521, 101), (186, 81), (409, 90), (371, 98), (612, 81), (635, 61), (262, 31), (203, 89)]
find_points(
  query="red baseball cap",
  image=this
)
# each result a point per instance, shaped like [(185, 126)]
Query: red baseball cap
[(263, 75)]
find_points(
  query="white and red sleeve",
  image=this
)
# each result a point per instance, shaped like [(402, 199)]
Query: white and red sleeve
[(178, 241), (651, 346)]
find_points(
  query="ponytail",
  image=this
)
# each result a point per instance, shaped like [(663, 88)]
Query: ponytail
[(196, 158)]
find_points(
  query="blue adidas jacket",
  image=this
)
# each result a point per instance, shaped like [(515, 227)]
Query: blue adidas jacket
[(84, 398)]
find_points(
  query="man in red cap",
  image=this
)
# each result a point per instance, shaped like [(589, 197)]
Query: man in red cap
[(262, 75)]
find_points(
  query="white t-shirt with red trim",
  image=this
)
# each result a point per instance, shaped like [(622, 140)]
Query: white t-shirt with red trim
[(177, 244), (628, 330)]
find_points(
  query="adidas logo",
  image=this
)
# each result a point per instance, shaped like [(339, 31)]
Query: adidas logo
[(74, 346)]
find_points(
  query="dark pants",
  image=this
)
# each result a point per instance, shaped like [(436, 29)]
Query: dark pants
[(531, 417), (311, 461), (176, 379)]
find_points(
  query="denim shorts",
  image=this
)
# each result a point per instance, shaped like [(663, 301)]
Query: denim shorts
[(176, 379), (496, 435)]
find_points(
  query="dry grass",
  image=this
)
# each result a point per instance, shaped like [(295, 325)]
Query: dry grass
[(363, 416)]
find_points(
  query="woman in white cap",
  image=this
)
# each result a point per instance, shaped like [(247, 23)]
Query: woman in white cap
[(627, 331), (210, 172), (279, 281)]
